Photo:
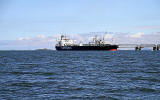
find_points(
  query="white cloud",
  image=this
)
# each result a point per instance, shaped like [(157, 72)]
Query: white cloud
[(41, 36), (151, 27), (23, 38), (108, 36), (137, 35), (20, 38)]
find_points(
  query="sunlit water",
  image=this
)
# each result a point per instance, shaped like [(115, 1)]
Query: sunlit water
[(117, 75)]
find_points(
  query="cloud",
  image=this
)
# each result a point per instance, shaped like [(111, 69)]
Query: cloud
[(137, 38), (137, 35), (43, 41), (23, 38), (108, 36), (41, 36), (151, 27)]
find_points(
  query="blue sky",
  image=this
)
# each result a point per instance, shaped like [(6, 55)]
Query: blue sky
[(30, 18)]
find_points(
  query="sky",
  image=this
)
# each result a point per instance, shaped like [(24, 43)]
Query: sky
[(32, 24)]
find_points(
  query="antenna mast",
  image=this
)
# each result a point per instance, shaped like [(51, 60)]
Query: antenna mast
[(112, 40)]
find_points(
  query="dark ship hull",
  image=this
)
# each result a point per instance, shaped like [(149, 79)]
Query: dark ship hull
[(83, 48)]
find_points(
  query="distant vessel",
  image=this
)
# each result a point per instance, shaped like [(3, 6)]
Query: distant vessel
[(68, 44)]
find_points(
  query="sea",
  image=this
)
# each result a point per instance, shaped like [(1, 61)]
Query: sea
[(80, 75)]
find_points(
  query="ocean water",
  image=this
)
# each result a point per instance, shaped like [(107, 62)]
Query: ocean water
[(77, 75)]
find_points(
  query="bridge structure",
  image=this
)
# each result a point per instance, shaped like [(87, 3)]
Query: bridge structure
[(140, 46)]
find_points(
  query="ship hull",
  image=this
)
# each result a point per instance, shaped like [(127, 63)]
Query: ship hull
[(85, 48)]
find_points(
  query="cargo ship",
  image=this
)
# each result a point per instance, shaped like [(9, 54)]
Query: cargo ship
[(97, 44)]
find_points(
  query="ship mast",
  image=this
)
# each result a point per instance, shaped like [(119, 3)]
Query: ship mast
[(103, 38)]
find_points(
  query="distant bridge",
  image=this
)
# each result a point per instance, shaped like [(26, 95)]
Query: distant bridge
[(139, 46)]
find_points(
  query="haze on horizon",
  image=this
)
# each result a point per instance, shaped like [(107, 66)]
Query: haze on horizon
[(33, 24)]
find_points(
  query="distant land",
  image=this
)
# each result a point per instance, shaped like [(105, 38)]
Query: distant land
[(43, 49)]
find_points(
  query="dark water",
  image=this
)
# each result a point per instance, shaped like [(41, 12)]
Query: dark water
[(101, 75)]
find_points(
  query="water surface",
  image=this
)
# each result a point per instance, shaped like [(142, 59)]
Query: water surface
[(117, 75)]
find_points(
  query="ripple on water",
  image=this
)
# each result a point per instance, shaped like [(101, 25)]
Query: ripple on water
[(119, 75)]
